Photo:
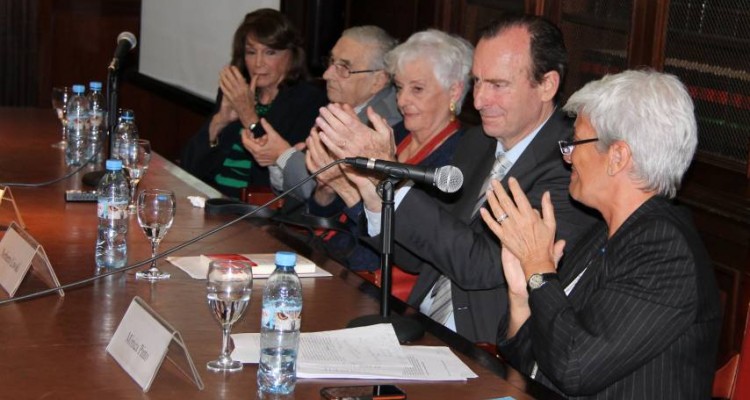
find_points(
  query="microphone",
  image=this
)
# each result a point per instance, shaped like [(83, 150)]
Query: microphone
[(447, 179), (125, 42)]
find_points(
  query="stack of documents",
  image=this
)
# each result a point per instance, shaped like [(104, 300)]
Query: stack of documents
[(263, 264), (370, 352)]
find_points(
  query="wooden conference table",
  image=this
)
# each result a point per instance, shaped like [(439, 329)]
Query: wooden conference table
[(54, 347)]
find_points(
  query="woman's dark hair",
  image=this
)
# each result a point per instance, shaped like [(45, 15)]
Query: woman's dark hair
[(272, 29)]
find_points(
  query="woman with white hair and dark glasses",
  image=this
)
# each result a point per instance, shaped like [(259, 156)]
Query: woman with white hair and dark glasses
[(632, 311)]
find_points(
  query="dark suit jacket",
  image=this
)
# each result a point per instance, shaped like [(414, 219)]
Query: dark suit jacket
[(434, 237), (642, 322)]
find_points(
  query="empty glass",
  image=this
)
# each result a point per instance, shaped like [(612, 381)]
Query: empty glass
[(135, 155), (60, 96), (156, 209)]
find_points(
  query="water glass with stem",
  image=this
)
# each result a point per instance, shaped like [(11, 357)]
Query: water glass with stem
[(135, 155), (229, 284), (156, 209), (60, 96)]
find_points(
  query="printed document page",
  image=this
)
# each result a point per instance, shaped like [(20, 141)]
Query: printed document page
[(370, 352)]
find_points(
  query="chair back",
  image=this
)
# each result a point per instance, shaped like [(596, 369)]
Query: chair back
[(732, 380)]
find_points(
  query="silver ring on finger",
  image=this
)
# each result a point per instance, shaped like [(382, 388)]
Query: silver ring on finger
[(501, 218)]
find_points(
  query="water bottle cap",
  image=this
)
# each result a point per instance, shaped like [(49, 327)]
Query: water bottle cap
[(79, 89), (286, 258), (114, 165), (94, 85)]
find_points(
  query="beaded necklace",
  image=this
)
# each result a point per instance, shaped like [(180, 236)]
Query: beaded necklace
[(261, 109)]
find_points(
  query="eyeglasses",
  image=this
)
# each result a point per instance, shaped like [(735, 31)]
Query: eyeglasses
[(343, 70), (567, 146)]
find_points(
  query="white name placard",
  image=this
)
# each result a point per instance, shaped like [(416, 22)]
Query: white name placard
[(18, 252), (141, 343)]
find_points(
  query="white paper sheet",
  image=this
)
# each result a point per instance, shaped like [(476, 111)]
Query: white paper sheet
[(362, 353), (197, 266)]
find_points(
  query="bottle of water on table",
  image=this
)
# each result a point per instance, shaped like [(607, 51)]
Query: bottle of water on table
[(77, 150), (113, 195), (280, 327), (97, 120), (125, 129)]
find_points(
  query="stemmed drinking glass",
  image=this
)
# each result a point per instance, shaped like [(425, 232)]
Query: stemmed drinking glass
[(229, 286), (156, 209), (135, 155), (60, 96)]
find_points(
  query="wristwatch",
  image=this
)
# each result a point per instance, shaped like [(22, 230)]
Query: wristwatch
[(538, 280)]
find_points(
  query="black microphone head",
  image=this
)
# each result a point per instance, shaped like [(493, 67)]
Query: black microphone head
[(129, 37), (449, 179)]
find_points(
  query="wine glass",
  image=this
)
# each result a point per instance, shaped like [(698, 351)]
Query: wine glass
[(229, 286), (60, 96), (135, 155), (156, 208)]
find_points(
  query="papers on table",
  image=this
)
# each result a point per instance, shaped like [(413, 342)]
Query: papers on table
[(370, 352), (263, 265)]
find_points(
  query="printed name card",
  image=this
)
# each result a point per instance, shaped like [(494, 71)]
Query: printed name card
[(18, 252), (142, 341)]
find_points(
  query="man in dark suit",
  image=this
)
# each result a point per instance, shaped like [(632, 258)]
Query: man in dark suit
[(634, 311), (518, 67)]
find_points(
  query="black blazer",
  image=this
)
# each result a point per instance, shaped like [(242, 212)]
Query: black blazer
[(435, 237), (642, 322), (292, 114)]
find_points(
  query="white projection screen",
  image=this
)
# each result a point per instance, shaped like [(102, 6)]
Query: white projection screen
[(185, 43)]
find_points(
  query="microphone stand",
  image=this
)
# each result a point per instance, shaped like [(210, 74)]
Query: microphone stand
[(92, 178), (407, 329)]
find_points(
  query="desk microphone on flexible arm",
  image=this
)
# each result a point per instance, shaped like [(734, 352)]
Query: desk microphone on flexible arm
[(448, 179), (126, 41)]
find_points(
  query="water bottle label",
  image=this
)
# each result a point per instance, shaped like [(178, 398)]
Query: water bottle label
[(96, 118), (76, 123), (285, 318), (112, 210)]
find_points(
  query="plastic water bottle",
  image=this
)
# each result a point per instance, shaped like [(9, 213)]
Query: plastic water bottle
[(125, 130), (97, 120), (77, 150), (279, 328), (113, 194)]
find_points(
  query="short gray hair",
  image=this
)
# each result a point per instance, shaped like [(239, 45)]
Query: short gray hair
[(653, 113), (374, 36), (449, 55)]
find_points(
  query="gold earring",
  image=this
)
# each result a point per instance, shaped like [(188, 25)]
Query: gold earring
[(452, 109)]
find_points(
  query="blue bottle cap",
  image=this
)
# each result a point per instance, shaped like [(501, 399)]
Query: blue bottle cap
[(95, 85), (286, 258), (79, 89), (114, 165)]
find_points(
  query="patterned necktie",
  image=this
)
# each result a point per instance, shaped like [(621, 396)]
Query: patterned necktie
[(442, 306), (499, 169)]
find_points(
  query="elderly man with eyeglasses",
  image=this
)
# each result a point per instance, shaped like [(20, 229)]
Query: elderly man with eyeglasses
[(356, 77)]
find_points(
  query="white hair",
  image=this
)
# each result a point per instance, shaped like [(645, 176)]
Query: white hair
[(374, 36), (653, 113), (450, 57)]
